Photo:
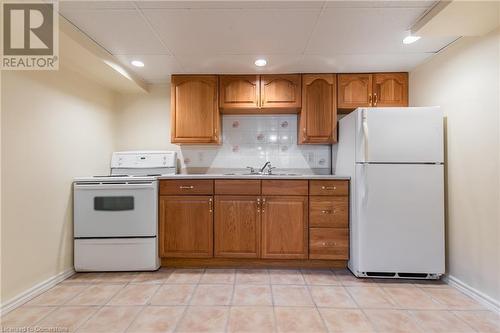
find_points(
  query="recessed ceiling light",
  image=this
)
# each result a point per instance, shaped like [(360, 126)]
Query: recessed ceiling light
[(410, 39), (137, 63), (260, 62)]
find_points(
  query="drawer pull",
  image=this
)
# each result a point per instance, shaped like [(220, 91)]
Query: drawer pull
[(328, 211), (329, 188), (329, 243), (186, 187)]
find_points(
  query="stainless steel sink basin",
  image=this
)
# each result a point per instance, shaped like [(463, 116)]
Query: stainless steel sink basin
[(263, 174)]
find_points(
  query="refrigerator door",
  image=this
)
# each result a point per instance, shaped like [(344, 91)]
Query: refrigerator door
[(399, 135), (400, 218)]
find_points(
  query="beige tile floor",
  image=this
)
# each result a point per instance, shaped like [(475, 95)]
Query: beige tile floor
[(257, 300)]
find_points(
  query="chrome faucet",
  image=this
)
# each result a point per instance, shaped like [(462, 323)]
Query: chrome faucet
[(267, 166)]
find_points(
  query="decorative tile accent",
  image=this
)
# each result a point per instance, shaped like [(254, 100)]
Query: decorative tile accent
[(249, 140)]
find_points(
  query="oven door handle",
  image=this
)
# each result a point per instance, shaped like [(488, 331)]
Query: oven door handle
[(83, 186)]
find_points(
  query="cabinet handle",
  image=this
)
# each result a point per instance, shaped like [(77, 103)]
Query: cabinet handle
[(328, 243), (327, 211), (263, 204), (258, 205), (375, 99), (329, 188), (210, 208), (186, 187), (370, 99)]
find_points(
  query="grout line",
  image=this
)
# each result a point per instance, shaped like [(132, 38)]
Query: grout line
[(188, 303)]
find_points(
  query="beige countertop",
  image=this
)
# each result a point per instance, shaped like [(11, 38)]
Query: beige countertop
[(248, 176)]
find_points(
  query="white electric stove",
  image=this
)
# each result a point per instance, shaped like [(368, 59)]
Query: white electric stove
[(116, 215)]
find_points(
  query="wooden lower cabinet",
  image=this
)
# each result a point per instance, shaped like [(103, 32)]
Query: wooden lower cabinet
[(237, 226), (186, 226), (329, 243), (252, 223), (284, 227)]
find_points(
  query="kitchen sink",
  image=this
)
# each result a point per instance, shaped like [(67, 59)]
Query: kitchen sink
[(263, 174)]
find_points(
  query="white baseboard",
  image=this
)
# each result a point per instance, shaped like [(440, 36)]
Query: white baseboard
[(479, 296), (34, 291)]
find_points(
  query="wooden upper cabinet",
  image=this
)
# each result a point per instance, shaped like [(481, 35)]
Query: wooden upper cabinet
[(372, 90), (237, 226), (280, 91), (318, 117), (390, 89), (284, 227), (186, 226), (354, 90), (195, 113), (239, 91)]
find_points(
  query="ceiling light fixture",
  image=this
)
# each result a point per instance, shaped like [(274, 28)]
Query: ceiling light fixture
[(410, 39), (260, 62), (137, 63)]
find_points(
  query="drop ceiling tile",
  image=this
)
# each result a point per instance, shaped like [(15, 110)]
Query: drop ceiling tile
[(118, 31), (358, 63), (239, 64), (369, 30), (157, 68), (228, 4), (233, 31)]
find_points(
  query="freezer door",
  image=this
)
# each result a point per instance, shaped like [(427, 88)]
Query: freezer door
[(399, 135), (400, 218)]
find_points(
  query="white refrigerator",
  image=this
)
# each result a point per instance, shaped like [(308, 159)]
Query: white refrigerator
[(394, 157)]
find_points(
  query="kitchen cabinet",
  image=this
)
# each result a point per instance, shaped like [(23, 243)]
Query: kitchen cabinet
[(280, 91), (329, 243), (354, 90), (237, 226), (186, 226), (260, 94), (230, 222), (329, 219), (318, 117), (372, 90), (284, 227), (239, 91), (194, 111), (390, 89)]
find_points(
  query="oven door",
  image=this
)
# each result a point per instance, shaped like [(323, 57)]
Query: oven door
[(115, 210)]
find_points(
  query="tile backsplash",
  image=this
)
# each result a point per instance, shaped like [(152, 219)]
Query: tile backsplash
[(249, 140)]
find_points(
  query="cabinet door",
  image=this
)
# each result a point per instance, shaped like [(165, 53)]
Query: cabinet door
[(239, 91), (354, 90), (390, 89), (237, 226), (284, 227), (318, 117), (186, 226), (280, 91), (195, 115)]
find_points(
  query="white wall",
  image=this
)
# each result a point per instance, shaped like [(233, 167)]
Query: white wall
[(55, 125), (464, 80)]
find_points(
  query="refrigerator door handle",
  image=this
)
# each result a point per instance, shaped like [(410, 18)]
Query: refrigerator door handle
[(365, 134)]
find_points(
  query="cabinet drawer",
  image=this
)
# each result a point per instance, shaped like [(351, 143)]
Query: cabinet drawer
[(329, 243), (330, 212), (329, 187), (284, 187), (186, 186), (237, 186)]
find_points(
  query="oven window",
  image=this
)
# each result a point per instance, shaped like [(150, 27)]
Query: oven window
[(114, 203)]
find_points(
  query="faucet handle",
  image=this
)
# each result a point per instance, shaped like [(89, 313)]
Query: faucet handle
[(252, 169), (270, 169)]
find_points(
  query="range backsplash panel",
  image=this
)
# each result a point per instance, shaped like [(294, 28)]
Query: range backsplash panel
[(249, 140)]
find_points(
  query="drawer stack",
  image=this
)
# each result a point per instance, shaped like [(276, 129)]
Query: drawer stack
[(329, 219)]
